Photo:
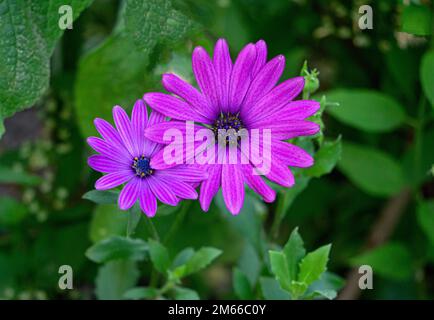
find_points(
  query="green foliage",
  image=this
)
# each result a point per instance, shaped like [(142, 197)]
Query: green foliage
[(425, 217), (326, 158), (296, 271), (371, 170), (416, 19), (159, 256), (392, 260), (366, 109), (427, 75), (26, 47), (116, 247), (12, 212)]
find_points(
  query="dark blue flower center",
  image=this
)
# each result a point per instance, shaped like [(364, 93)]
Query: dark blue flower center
[(228, 121), (141, 167)]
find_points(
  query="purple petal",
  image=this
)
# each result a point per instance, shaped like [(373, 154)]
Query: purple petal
[(296, 110), (162, 191), (139, 119), (124, 128), (179, 188), (275, 100), (106, 149), (223, 67), (186, 173), (241, 77), (265, 80), (261, 56), (113, 179), (291, 155), (233, 187), (156, 132), (173, 107), (103, 164), (257, 184), (129, 194), (109, 134), (209, 187), (190, 94), (280, 174), (292, 129), (148, 202), (206, 77), (150, 146)]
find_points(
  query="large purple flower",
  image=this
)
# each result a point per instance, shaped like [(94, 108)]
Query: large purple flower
[(126, 155), (240, 95)]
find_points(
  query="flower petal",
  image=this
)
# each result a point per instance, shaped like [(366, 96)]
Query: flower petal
[(223, 67), (151, 147), (186, 173), (209, 187), (106, 149), (162, 191), (257, 184), (139, 119), (113, 179), (156, 133), (296, 110), (129, 194), (109, 134), (264, 81), (261, 56), (179, 188), (280, 174), (241, 77), (173, 107), (190, 94), (125, 131), (233, 187), (205, 74), (103, 164), (291, 155), (148, 202), (275, 100), (291, 129)]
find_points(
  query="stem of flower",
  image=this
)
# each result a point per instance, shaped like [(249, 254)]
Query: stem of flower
[(178, 221)]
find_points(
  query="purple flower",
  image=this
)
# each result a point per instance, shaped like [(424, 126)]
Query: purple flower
[(126, 156), (240, 95)]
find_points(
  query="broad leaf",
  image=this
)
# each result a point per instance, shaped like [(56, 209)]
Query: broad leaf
[(427, 75), (185, 294), (416, 19), (314, 264), (102, 197), (159, 256), (140, 293), (279, 267), (271, 289), (326, 158), (367, 110), (241, 285), (425, 217), (117, 247), (294, 251)]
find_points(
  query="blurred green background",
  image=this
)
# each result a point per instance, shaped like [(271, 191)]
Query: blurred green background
[(376, 207)]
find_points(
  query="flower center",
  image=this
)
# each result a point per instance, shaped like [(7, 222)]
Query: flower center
[(228, 121), (142, 167)]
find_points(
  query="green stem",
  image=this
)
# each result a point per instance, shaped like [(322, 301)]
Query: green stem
[(178, 221), (154, 234), (279, 213)]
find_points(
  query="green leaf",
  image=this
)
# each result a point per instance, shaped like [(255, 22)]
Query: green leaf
[(102, 197), (8, 175), (154, 21), (12, 212), (115, 278), (107, 220), (294, 251), (241, 285), (328, 294), (29, 32), (391, 260), (371, 170), (185, 294), (159, 256), (427, 75), (367, 110), (117, 247), (113, 74), (325, 287), (425, 217), (326, 158), (250, 264), (279, 267), (416, 19), (314, 264), (182, 257), (198, 261), (140, 293), (271, 289), (134, 216)]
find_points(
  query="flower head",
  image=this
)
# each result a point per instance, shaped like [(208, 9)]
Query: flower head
[(126, 156), (243, 95)]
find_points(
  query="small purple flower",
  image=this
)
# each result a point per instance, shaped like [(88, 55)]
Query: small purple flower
[(126, 156), (240, 95)]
